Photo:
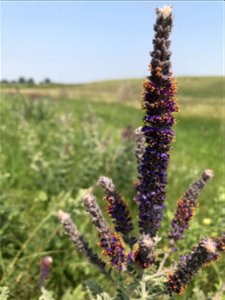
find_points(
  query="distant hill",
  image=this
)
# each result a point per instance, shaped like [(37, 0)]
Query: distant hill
[(128, 91)]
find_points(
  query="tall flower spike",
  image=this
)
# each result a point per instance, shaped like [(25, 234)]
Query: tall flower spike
[(72, 231), (112, 244), (159, 104), (117, 209), (187, 205), (190, 264)]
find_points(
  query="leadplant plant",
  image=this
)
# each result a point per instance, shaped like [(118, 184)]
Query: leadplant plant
[(131, 260)]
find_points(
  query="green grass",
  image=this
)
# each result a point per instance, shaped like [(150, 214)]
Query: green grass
[(53, 147)]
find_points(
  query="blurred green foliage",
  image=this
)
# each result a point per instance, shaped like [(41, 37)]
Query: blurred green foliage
[(54, 148)]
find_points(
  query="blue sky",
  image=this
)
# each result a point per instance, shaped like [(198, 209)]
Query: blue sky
[(89, 41)]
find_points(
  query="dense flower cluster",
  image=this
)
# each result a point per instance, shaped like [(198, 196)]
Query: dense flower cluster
[(114, 247), (159, 104), (187, 205), (117, 209), (144, 253), (112, 244), (205, 253)]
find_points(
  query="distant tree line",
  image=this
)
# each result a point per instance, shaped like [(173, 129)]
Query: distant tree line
[(27, 82)]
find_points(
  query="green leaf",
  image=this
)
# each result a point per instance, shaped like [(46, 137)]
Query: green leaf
[(77, 294), (46, 295), (94, 288)]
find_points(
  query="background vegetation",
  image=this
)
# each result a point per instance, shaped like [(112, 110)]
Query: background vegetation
[(56, 140)]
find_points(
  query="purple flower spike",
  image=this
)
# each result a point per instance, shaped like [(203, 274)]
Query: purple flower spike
[(189, 265), (112, 244), (117, 209), (159, 104), (46, 263), (153, 143), (187, 206)]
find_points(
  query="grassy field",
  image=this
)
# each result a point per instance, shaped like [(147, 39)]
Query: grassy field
[(57, 140)]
